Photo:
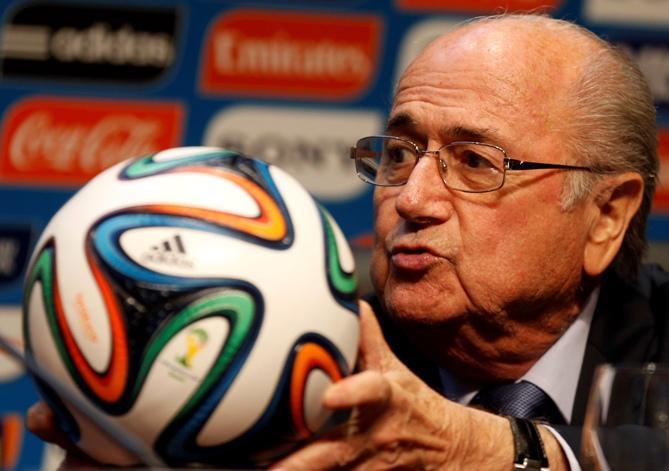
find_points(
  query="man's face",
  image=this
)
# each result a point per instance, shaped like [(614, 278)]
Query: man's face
[(504, 256)]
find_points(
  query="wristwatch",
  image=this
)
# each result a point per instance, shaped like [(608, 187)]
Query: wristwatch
[(529, 448)]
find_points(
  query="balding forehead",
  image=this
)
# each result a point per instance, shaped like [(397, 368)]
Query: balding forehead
[(503, 40), (521, 52), (510, 69)]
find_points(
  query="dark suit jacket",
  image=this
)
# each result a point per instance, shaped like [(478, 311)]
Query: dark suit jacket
[(630, 325)]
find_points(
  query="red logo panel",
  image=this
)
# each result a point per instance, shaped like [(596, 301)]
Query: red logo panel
[(49, 140), (661, 202), (273, 53), (480, 6)]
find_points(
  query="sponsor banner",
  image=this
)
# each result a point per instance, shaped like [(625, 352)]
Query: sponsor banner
[(648, 13), (661, 202), (15, 243), (291, 54), (313, 145), (99, 43), (65, 141), (653, 60), (480, 6), (418, 37)]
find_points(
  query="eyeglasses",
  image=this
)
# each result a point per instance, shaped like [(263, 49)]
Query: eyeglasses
[(472, 167)]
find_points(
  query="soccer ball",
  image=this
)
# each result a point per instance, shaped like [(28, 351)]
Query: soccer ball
[(198, 299)]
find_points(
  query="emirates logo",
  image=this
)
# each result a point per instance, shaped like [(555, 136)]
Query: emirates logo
[(263, 52)]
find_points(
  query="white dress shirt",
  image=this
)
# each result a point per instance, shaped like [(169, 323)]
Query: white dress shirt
[(556, 372)]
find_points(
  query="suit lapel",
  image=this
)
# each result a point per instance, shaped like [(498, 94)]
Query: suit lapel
[(623, 330)]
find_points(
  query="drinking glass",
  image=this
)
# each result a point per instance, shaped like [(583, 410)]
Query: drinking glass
[(627, 420)]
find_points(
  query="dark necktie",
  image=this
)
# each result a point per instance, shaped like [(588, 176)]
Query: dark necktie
[(522, 399)]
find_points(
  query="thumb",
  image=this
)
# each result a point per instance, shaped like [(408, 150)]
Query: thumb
[(375, 353)]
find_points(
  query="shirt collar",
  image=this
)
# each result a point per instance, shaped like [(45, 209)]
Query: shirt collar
[(556, 372)]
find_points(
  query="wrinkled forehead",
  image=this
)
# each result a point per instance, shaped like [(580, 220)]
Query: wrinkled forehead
[(514, 79), (523, 57)]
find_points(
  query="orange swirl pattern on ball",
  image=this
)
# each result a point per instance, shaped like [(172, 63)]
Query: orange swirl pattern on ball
[(269, 224), (108, 386), (309, 356)]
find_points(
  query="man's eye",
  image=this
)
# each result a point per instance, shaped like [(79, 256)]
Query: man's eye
[(399, 154), (474, 160)]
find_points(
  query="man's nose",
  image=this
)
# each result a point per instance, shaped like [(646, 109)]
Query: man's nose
[(424, 196)]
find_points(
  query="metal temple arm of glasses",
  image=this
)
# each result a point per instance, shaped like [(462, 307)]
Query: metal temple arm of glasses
[(513, 164)]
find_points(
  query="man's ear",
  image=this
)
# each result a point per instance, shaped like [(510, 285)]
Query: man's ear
[(615, 204)]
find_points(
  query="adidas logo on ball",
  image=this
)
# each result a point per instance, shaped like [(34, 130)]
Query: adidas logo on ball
[(170, 251)]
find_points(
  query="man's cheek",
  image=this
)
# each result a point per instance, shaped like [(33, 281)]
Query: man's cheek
[(378, 270)]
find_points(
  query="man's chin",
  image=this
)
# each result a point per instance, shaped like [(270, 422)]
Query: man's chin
[(430, 336), (411, 315)]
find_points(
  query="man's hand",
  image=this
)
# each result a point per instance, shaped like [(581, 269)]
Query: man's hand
[(398, 422), (42, 422)]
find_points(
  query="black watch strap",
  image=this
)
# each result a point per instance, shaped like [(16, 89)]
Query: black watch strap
[(529, 448)]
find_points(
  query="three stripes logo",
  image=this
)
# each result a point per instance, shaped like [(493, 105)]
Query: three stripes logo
[(171, 251), (171, 245)]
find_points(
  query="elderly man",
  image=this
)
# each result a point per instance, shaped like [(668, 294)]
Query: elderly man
[(513, 183)]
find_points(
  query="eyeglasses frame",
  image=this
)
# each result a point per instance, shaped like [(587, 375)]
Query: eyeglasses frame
[(509, 163)]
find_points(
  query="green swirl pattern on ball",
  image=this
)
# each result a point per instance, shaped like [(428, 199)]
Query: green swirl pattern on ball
[(238, 307), (343, 282)]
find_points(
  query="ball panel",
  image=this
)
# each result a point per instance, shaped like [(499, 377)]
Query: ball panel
[(276, 432), (251, 176), (106, 386), (346, 260), (305, 391), (182, 153), (84, 307), (172, 371), (46, 352), (208, 252), (291, 311), (344, 284), (244, 312), (245, 401), (315, 415)]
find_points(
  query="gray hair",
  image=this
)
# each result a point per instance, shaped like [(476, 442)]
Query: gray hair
[(615, 129), (612, 127)]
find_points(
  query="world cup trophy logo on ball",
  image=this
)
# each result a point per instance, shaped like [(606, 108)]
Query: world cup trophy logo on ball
[(200, 300)]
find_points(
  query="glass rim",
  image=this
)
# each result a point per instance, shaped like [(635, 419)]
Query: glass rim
[(366, 176)]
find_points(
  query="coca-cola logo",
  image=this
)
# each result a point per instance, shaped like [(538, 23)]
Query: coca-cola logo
[(275, 53), (661, 202), (480, 6), (67, 141)]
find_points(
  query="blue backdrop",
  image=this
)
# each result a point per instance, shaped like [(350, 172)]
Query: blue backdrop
[(86, 84)]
